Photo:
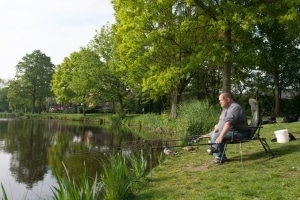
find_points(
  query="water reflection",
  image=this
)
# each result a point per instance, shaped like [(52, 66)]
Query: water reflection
[(29, 149)]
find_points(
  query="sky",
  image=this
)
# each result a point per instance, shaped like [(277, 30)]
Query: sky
[(55, 27)]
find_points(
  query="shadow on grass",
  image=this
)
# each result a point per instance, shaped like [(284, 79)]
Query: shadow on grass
[(287, 148), (279, 150)]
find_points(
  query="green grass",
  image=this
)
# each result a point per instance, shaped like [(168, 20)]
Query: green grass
[(192, 176)]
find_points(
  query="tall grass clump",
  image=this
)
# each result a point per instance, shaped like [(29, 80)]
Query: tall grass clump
[(199, 117), (119, 176), (139, 166), (87, 189)]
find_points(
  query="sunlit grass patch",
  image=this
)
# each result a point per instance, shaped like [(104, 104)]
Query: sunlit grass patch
[(259, 177)]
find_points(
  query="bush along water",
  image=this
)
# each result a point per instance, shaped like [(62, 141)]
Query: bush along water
[(194, 118), (199, 117)]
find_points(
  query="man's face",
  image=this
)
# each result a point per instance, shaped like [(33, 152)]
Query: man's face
[(224, 102)]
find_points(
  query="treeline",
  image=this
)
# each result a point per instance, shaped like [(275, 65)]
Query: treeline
[(159, 54)]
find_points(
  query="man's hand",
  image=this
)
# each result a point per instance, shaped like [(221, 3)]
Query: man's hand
[(225, 130), (219, 140)]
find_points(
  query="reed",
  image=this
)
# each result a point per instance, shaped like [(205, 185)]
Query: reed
[(116, 178), (139, 166), (3, 192), (87, 189), (122, 175)]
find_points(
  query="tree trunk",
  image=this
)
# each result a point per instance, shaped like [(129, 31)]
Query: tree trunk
[(32, 103), (276, 94), (120, 99), (174, 101)]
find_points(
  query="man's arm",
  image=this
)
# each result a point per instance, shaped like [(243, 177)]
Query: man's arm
[(226, 128)]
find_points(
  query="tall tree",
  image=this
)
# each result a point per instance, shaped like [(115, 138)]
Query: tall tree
[(35, 71), (277, 55), (19, 101), (159, 46), (112, 88), (232, 18), (4, 106), (76, 79), (61, 82)]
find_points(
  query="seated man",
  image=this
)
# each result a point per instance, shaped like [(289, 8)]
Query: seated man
[(232, 117)]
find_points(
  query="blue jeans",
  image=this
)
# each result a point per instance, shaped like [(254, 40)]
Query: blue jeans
[(228, 136)]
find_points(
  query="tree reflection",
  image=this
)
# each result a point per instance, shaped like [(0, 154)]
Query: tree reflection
[(84, 149), (36, 146), (28, 146)]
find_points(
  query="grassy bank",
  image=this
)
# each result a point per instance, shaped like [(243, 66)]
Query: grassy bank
[(192, 176)]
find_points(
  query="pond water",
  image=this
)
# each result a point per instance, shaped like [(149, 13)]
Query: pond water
[(31, 149)]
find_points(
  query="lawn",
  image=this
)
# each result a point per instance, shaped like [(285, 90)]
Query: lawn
[(192, 176)]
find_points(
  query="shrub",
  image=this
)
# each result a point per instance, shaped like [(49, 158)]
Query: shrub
[(199, 117)]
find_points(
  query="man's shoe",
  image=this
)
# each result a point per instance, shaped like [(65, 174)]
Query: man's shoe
[(212, 150), (218, 160)]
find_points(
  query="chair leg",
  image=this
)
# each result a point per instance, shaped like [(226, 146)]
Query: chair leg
[(241, 152), (225, 147), (266, 146)]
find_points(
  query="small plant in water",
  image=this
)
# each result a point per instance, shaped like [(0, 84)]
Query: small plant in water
[(88, 189), (139, 166), (3, 192), (116, 178)]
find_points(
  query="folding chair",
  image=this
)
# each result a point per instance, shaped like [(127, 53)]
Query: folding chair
[(254, 128)]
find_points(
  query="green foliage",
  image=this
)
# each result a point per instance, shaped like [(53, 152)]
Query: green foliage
[(117, 180), (122, 175), (194, 118), (4, 106), (290, 106), (32, 82), (164, 46), (88, 189), (199, 116), (139, 166), (72, 82), (111, 87)]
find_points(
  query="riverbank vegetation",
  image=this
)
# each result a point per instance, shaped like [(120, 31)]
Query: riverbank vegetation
[(192, 176), (120, 179), (194, 118)]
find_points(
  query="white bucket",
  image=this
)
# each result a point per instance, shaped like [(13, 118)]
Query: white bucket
[(282, 136)]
